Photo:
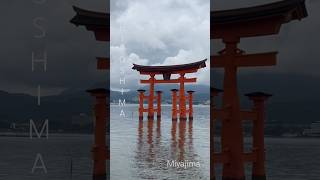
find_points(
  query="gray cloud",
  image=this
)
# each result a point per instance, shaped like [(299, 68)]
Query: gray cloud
[(158, 33), (297, 42), (168, 29), (71, 50)]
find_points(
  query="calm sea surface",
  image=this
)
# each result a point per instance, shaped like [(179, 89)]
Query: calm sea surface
[(140, 151)]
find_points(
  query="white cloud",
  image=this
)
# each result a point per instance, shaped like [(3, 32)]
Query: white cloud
[(160, 32), (122, 61)]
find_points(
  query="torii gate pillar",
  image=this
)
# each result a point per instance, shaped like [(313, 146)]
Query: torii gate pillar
[(141, 98), (259, 99), (99, 149), (174, 104), (151, 97), (232, 142), (182, 99), (190, 109)]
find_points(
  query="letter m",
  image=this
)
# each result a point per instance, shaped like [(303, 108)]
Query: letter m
[(45, 126), (122, 103)]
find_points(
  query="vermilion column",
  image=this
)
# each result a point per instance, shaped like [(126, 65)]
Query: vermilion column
[(214, 92), (174, 104), (99, 149), (141, 99), (190, 110), (258, 168), (151, 97), (182, 99), (232, 131), (159, 104)]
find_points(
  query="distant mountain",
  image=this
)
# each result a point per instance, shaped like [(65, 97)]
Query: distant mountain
[(284, 87), (295, 98), (201, 95), (59, 109), (295, 102)]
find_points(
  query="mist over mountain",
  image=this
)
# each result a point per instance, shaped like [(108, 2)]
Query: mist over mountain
[(62, 110), (294, 103), (295, 99), (201, 95)]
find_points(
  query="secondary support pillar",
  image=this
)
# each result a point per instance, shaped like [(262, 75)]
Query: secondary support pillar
[(190, 99), (174, 104), (99, 149), (258, 168), (182, 99), (151, 97), (159, 104), (141, 98)]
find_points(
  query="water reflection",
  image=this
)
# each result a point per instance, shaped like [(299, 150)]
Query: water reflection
[(154, 150)]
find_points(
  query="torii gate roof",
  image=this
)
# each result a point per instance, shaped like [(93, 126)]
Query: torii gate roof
[(191, 67), (291, 9), (98, 22), (257, 20), (90, 18)]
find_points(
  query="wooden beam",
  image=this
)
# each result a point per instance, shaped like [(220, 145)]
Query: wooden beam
[(220, 114), (248, 115), (265, 27), (101, 34), (171, 72), (103, 63), (161, 81), (253, 60), (248, 60), (218, 61), (147, 97)]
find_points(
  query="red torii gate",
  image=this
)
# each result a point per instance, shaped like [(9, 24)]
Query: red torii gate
[(98, 23), (230, 26), (166, 72)]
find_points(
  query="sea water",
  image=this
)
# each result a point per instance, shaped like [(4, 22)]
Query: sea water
[(140, 150)]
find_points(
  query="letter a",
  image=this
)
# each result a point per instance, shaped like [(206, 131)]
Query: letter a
[(122, 113), (36, 166)]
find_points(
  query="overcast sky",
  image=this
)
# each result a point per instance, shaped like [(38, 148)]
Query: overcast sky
[(153, 33), (71, 50), (297, 42), (162, 32)]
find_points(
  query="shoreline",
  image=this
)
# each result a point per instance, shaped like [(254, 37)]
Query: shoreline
[(76, 134)]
